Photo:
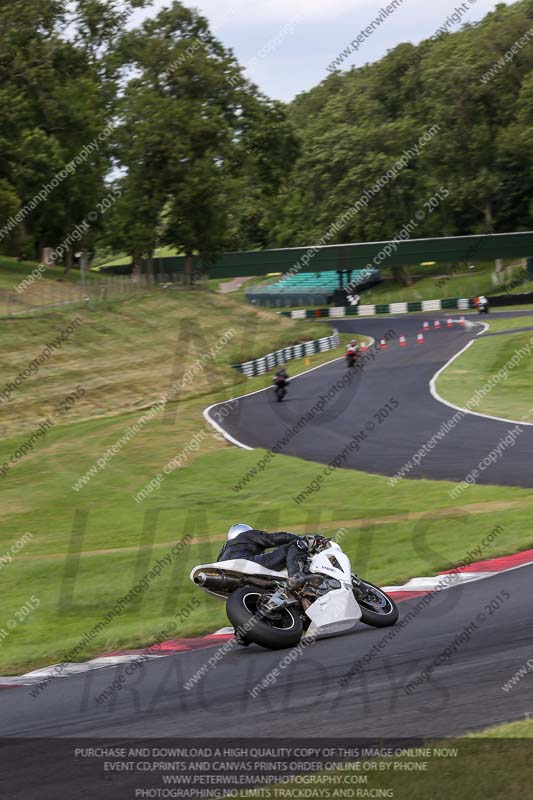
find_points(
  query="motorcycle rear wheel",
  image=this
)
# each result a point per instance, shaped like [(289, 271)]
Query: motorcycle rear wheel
[(275, 633)]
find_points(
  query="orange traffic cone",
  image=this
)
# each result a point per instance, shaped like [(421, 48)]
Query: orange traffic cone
[(402, 341), (462, 321), (426, 326), (383, 344), (420, 338), (362, 347), (450, 322), (437, 323)]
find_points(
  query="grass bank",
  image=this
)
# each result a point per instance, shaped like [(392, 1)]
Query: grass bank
[(89, 546), (510, 397)]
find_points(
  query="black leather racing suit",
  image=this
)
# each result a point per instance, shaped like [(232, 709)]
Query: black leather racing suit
[(281, 378), (290, 550)]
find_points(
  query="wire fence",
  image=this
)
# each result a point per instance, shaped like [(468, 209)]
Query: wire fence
[(43, 295)]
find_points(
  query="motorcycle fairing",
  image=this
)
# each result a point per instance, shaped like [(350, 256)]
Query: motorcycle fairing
[(335, 612)]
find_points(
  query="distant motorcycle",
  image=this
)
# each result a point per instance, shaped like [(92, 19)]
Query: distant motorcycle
[(483, 305), (351, 358), (280, 388)]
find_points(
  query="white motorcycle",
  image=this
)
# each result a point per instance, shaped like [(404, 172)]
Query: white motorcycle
[(482, 305), (329, 599)]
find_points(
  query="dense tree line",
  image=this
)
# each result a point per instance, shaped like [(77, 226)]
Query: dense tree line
[(355, 124), (151, 135), (136, 137)]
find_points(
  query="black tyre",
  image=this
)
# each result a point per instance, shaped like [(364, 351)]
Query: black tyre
[(243, 610), (377, 608)]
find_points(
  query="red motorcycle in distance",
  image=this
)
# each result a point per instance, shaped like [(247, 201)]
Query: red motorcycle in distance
[(351, 356)]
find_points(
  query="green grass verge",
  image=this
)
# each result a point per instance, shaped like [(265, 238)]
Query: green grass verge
[(124, 354), (523, 729), (124, 358), (508, 323), (119, 539), (511, 396)]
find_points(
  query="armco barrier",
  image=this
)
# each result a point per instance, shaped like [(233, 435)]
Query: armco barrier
[(260, 365), (461, 304)]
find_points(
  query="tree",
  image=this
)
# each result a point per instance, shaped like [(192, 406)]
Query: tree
[(200, 145), (356, 124), (57, 95)]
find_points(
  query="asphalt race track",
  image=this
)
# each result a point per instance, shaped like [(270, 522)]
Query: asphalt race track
[(387, 443), (310, 699), (331, 689)]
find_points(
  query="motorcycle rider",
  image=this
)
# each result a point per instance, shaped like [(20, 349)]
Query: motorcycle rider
[(281, 377), (352, 348), (290, 550), (281, 381)]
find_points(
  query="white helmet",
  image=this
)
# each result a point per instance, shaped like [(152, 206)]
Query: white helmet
[(238, 528)]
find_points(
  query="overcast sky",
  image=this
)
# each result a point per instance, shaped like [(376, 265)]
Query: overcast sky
[(288, 44)]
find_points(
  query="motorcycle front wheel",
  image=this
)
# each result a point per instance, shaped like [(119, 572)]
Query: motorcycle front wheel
[(284, 629), (377, 608)]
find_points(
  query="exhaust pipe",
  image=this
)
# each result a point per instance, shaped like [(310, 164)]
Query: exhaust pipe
[(229, 583), (218, 582)]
